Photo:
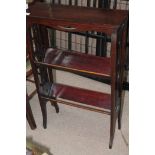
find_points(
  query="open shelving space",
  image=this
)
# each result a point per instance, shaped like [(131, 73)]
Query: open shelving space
[(77, 62), (80, 95)]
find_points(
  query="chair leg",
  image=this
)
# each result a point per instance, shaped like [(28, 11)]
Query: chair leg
[(30, 117), (29, 114), (44, 112), (54, 103), (31, 121)]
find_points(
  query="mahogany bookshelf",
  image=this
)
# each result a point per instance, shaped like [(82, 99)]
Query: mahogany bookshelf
[(44, 59)]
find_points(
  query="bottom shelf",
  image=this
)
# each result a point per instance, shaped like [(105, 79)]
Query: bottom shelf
[(84, 96)]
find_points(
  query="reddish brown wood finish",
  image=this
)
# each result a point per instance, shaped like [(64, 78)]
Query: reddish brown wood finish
[(113, 88), (88, 97), (80, 18), (69, 18), (76, 61)]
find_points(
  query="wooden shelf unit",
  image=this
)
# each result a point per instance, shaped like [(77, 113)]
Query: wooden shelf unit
[(80, 19)]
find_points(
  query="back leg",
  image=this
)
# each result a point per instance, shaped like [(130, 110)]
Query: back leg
[(54, 103), (119, 119), (29, 114)]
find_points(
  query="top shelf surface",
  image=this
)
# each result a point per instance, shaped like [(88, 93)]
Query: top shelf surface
[(83, 15)]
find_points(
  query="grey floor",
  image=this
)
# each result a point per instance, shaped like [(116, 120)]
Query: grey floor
[(76, 131)]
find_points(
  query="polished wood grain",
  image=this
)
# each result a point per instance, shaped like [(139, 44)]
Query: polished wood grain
[(80, 18), (78, 62), (87, 97)]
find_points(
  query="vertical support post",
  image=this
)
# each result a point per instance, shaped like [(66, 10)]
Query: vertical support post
[(70, 34), (94, 3), (101, 43), (104, 3), (59, 1), (113, 116), (115, 4), (52, 35), (76, 2), (86, 42), (122, 71), (69, 41), (70, 2), (88, 3)]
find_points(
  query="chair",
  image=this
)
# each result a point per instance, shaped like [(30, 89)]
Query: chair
[(43, 78), (29, 78)]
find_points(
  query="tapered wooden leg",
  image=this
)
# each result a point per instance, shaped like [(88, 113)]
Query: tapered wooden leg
[(54, 103), (123, 73), (29, 114), (112, 129), (119, 123), (119, 119), (121, 110), (111, 137), (111, 141), (30, 117), (31, 120), (44, 112)]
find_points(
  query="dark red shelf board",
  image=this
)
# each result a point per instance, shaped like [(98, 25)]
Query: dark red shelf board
[(84, 96), (78, 62), (103, 17)]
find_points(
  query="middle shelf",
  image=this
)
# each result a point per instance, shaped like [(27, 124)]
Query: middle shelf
[(77, 62)]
